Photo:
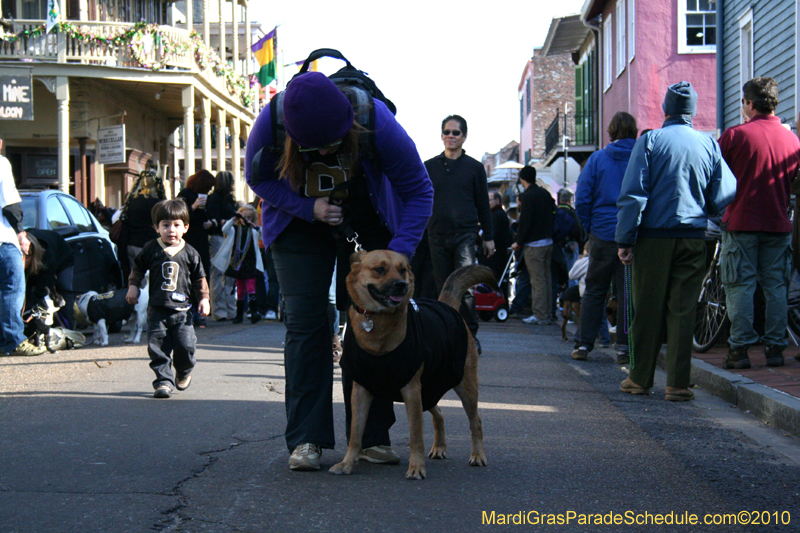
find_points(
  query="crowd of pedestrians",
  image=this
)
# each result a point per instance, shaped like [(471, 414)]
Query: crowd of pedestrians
[(634, 236)]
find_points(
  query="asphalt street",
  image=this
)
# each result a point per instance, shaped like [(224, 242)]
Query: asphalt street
[(84, 447)]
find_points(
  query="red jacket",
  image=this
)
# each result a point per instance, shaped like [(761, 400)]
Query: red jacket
[(764, 156)]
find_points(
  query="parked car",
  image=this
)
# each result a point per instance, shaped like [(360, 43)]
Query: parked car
[(96, 265)]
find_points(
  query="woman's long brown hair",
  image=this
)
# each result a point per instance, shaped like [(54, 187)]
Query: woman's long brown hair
[(292, 165)]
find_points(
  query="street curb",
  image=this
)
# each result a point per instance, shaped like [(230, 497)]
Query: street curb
[(773, 407)]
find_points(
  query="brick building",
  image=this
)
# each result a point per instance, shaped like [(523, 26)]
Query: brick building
[(547, 84)]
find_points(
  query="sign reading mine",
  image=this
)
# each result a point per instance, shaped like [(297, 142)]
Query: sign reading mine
[(16, 94), (111, 145)]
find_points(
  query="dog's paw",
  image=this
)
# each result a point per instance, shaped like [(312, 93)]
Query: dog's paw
[(478, 460), (416, 471), (438, 452), (97, 341), (342, 468), (129, 340)]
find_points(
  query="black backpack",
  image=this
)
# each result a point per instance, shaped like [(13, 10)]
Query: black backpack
[(359, 89)]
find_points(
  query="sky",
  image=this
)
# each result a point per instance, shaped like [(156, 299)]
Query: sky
[(431, 58)]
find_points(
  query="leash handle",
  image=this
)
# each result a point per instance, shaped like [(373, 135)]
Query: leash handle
[(627, 311)]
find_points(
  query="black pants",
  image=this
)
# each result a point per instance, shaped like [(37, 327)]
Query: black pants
[(450, 251), (170, 342), (604, 266), (304, 256)]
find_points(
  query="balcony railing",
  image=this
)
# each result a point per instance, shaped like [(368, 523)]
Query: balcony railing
[(120, 44), (580, 129), (552, 136)]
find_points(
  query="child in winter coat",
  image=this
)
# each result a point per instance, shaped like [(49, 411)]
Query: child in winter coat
[(240, 259)]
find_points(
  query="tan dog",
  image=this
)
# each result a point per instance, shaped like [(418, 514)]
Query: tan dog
[(380, 284)]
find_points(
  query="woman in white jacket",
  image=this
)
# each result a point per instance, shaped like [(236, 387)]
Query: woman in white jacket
[(239, 258)]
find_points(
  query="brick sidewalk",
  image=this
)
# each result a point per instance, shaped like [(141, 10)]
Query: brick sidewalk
[(784, 378)]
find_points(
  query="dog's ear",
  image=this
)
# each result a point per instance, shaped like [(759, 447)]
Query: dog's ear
[(357, 257)]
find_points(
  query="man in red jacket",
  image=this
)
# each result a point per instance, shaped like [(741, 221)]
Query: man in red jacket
[(764, 156)]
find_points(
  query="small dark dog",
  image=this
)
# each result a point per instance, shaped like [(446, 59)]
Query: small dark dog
[(611, 310), (570, 308)]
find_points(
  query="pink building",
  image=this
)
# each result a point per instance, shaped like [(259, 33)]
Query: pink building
[(646, 46)]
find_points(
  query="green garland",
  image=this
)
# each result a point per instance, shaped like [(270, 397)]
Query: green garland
[(134, 38)]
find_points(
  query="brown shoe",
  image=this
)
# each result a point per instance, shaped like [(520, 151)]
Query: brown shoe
[(677, 394), (632, 388), (184, 382)]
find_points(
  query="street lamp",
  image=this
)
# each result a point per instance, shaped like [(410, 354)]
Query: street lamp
[(566, 141)]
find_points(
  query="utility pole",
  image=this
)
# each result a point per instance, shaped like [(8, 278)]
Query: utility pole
[(566, 141)]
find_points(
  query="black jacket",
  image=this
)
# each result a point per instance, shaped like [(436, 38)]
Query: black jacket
[(460, 196), (536, 215)]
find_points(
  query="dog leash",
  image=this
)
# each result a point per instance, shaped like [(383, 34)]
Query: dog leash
[(626, 311)]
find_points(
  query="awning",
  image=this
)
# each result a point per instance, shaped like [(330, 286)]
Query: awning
[(566, 34)]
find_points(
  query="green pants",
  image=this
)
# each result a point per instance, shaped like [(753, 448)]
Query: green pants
[(667, 277)]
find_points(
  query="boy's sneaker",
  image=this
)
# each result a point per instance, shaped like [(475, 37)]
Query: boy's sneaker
[(581, 353), (271, 315), (26, 348), (383, 455), (184, 382), (305, 457), (163, 391)]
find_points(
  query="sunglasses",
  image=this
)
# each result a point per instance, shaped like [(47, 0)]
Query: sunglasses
[(326, 147), (455, 133)]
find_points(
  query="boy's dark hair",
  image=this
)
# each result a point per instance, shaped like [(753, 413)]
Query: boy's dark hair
[(497, 196), (622, 126), (527, 174), (174, 209), (763, 92), (461, 122)]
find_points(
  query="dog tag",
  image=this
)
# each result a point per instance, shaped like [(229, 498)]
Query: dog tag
[(367, 325)]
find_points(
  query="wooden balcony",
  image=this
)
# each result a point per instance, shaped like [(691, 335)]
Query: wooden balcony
[(122, 45)]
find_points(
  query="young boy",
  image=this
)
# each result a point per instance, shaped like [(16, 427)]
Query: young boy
[(175, 270)]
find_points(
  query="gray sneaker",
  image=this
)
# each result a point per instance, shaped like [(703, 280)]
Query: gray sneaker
[(305, 457), (384, 455)]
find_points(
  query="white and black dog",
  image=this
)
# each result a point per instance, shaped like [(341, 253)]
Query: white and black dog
[(99, 310)]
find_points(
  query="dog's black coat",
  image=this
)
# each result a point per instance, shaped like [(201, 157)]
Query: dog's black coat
[(111, 306), (435, 336)]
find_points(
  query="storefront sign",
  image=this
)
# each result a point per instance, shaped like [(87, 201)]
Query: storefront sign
[(111, 145), (16, 94)]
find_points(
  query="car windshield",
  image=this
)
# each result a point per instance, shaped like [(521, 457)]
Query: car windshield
[(30, 211)]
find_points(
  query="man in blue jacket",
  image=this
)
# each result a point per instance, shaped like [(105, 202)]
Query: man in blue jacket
[(598, 189), (675, 179)]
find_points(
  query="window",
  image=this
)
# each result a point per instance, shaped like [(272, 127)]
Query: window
[(631, 29), (34, 9), (621, 59), (528, 95), (79, 214), (697, 26), (746, 47), (56, 216), (608, 56), (521, 112)]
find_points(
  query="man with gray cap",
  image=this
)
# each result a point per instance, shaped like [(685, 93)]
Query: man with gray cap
[(675, 179)]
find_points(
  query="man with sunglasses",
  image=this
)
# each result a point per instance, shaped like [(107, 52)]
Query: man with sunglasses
[(460, 210)]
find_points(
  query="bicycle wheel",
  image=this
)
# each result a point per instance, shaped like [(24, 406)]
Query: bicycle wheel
[(712, 313)]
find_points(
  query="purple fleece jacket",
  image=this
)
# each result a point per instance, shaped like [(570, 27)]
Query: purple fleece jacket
[(400, 190)]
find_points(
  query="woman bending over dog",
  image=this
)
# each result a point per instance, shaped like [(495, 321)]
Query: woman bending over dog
[(385, 198)]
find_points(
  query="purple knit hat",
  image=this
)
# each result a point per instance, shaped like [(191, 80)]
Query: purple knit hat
[(315, 111)]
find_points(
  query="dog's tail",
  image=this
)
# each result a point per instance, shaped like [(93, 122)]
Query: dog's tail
[(462, 279)]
